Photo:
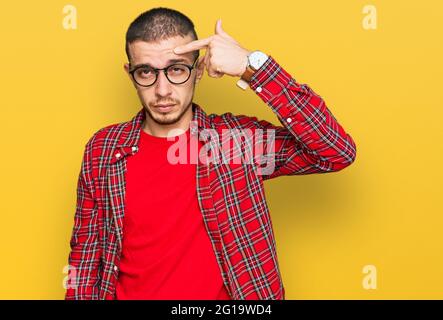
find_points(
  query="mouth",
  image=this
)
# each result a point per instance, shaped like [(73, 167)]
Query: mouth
[(164, 107)]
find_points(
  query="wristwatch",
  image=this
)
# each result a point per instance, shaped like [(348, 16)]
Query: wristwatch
[(255, 60)]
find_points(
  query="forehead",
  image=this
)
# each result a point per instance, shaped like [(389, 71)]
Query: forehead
[(157, 54)]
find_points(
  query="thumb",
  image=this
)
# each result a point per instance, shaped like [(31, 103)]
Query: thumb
[(219, 30)]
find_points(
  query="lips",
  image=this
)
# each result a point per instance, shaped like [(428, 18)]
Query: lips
[(164, 107)]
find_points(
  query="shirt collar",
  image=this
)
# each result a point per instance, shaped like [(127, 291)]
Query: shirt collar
[(130, 133)]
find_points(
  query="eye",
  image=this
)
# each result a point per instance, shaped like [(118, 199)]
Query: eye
[(177, 69), (146, 71)]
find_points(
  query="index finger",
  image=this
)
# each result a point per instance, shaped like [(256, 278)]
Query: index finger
[(192, 46)]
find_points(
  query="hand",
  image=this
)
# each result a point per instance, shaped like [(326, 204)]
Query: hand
[(223, 54)]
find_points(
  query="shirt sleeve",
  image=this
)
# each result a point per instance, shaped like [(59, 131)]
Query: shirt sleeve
[(84, 257), (310, 139)]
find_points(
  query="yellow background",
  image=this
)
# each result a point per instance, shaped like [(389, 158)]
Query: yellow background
[(384, 86)]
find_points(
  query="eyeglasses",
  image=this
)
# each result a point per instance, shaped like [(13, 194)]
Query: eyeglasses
[(146, 76)]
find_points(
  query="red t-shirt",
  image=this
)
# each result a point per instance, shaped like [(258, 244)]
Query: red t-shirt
[(167, 253)]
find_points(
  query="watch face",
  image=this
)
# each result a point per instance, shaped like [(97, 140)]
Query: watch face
[(257, 59)]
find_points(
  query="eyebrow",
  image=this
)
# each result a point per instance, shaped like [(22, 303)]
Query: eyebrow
[(167, 62)]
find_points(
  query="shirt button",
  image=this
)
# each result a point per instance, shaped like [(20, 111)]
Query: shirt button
[(259, 89), (115, 268), (134, 149), (289, 120), (118, 155)]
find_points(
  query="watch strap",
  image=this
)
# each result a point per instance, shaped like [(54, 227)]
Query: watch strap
[(246, 77)]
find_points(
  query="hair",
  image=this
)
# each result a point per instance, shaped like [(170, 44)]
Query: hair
[(159, 24)]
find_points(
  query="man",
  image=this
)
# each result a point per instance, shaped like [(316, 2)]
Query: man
[(147, 227)]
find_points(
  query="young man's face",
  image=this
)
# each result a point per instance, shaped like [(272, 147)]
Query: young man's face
[(158, 55)]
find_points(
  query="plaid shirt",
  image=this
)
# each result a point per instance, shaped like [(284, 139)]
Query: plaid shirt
[(231, 197)]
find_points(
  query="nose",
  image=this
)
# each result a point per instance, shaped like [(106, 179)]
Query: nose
[(162, 87)]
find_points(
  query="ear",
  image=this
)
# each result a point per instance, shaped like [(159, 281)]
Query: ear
[(200, 68), (126, 68)]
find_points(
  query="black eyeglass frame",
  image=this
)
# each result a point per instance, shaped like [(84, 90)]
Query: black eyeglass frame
[(157, 70)]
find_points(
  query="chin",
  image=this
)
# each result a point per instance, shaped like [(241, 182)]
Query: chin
[(166, 118)]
